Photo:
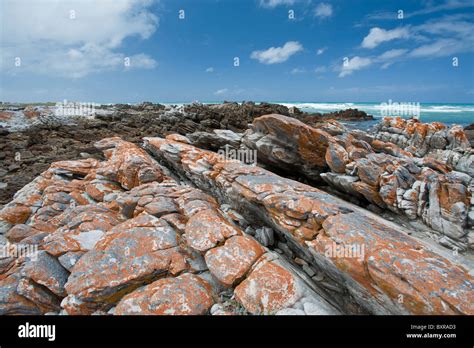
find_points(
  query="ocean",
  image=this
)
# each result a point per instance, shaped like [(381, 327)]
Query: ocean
[(462, 114)]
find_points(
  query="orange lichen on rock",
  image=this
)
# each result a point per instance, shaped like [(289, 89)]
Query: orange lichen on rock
[(16, 214), (184, 295), (206, 229), (230, 262), (268, 289), (290, 206), (127, 163)]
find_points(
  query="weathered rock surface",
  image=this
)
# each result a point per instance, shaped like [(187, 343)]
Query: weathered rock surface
[(184, 295), (283, 142), (450, 145), (230, 262), (142, 243), (469, 131), (377, 170), (307, 217), (28, 146), (179, 230)]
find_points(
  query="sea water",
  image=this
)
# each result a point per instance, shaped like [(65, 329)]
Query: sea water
[(462, 114)]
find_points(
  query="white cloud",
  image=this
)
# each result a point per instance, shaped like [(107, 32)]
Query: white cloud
[(275, 3), (447, 5), (450, 35), (210, 69), (321, 50), (377, 36), (274, 55), (356, 63), (298, 71), (232, 92), (440, 37), (454, 25), (389, 57), (442, 47), (222, 91), (52, 40), (323, 10), (395, 53)]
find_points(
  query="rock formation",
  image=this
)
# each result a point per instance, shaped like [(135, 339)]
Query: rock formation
[(314, 222), (173, 226), (122, 237), (435, 189)]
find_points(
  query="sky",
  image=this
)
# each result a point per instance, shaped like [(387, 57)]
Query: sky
[(109, 51)]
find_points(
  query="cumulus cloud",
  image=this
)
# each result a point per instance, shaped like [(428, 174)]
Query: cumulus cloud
[(275, 3), (353, 64), (74, 38), (210, 69), (323, 10), (275, 55), (377, 36)]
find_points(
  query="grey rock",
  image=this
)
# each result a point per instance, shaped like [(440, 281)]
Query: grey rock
[(318, 277), (291, 311), (250, 231), (45, 270), (5, 227), (308, 270), (286, 249), (69, 259), (313, 309), (265, 236)]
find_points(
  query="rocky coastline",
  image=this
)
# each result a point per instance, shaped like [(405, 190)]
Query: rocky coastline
[(140, 210)]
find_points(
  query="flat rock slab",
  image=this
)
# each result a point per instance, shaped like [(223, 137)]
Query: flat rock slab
[(187, 294), (230, 262), (206, 229)]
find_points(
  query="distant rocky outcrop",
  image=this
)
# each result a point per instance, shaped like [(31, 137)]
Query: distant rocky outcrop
[(348, 115)]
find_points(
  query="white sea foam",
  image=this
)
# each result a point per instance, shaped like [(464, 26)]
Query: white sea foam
[(321, 106), (378, 107)]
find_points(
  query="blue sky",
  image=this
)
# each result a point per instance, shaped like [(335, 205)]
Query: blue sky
[(341, 50)]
